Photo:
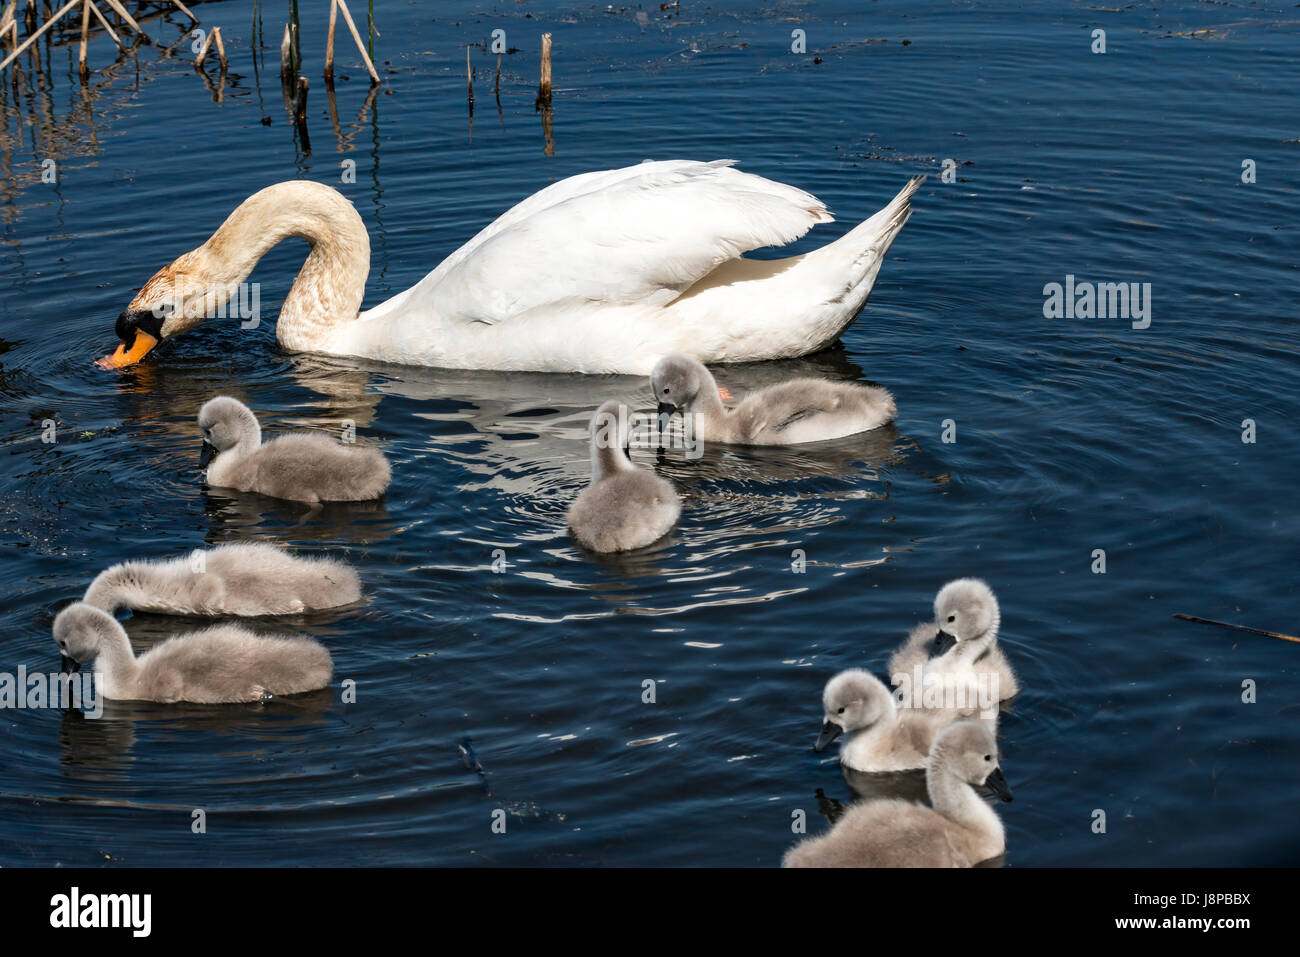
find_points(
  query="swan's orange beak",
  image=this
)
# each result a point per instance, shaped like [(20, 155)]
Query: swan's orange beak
[(127, 357)]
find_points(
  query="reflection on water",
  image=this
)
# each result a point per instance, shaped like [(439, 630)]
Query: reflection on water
[(483, 623)]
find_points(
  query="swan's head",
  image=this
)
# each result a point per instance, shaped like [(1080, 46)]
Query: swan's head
[(678, 381), (968, 750), (176, 299), (965, 610), (225, 423), (81, 631), (853, 700)]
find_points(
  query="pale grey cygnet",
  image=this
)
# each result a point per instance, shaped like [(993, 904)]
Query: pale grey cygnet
[(624, 507), (875, 734), (300, 466), (223, 664), (958, 830), (251, 578), (787, 413)]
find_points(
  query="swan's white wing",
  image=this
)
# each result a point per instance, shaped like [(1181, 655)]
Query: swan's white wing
[(640, 235)]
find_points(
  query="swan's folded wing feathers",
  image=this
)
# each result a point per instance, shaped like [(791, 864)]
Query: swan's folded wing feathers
[(642, 238)]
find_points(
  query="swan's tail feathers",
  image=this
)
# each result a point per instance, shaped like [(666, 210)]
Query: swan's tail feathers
[(877, 233)]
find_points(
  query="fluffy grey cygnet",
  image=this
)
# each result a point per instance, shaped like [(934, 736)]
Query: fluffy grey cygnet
[(241, 579), (875, 734), (301, 466), (219, 665), (788, 413), (957, 830), (624, 507), (961, 641)]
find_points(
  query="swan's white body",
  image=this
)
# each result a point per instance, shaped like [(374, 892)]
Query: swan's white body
[(601, 272)]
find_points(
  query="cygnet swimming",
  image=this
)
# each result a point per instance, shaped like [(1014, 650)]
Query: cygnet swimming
[(218, 665), (624, 507), (301, 466), (787, 413), (239, 579), (961, 643), (958, 830), (875, 734)]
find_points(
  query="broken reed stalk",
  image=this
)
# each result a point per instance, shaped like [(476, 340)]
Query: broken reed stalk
[(130, 22), (85, 35), (104, 23), (215, 35), (469, 78), (544, 87), (356, 37), (185, 10), (329, 42), (300, 114), (36, 34), (7, 22), (286, 59), (496, 87), (1226, 624)]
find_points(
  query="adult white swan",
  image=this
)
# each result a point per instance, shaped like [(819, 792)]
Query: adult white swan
[(601, 272)]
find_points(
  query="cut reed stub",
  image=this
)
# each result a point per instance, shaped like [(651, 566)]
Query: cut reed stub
[(544, 85), (469, 78), (329, 43), (300, 113)]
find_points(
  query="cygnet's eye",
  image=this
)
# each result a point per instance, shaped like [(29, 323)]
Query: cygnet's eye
[(988, 757), (841, 711), (951, 619), (666, 391)]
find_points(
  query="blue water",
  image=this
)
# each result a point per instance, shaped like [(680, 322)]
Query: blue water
[(1071, 435)]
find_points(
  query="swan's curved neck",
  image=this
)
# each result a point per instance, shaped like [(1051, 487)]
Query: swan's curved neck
[(971, 651), (956, 800), (708, 401), (331, 283), (115, 660)]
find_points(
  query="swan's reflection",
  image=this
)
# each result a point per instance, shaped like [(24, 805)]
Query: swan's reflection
[(235, 516), (100, 748)]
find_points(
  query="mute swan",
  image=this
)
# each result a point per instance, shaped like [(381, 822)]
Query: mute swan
[(302, 466), (240, 579), (877, 735), (624, 507), (962, 641), (958, 830), (801, 410), (218, 665), (601, 272)]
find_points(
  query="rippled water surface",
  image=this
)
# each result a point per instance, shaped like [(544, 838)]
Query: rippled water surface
[(1071, 435)]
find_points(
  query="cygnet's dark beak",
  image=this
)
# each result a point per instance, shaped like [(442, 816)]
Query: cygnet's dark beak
[(205, 456), (68, 666), (830, 731), (666, 410), (943, 642), (996, 783)]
